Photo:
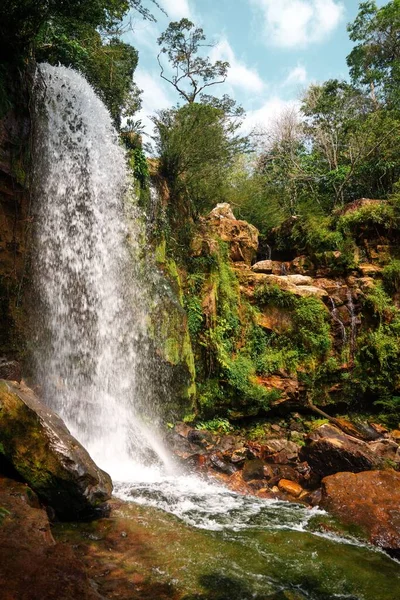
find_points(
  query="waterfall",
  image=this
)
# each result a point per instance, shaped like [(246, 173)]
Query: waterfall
[(90, 343), (338, 320), (353, 324)]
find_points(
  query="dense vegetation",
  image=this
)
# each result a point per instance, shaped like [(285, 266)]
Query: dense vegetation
[(298, 182)]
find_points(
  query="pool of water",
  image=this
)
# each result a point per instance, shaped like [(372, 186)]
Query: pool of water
[(236, 547)]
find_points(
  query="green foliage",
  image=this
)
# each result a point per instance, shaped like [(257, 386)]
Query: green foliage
[(216, 426), (136, 157), (195, 314), (107, 64), (391, 276), (391, 414), (375, 60), (368, 217), (21, 20), (377, 360), (273, 295), (82, 35), (307, 341), (196, 144)]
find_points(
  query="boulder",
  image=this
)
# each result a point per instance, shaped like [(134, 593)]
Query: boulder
[(302, 265), (300, 279), (386, 449), (370, 500), (222, 210), (263, 266), (305, 291), (289, 388), (328, 450), (370, 270), (241, 237), (41, 449)]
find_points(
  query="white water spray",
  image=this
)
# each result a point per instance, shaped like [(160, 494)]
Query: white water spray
[(92, 306)]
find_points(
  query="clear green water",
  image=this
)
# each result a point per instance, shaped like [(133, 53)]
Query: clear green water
[(217, 545)]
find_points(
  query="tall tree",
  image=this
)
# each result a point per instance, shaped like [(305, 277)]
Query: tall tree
[(375, 59), (189, 73)]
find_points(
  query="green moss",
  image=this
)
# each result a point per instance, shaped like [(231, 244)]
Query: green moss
[(171, 351), (160, 252), (174, 277)]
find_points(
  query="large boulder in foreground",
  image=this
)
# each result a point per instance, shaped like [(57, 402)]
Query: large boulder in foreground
[(40, 448), (328, 450), (370, 500)]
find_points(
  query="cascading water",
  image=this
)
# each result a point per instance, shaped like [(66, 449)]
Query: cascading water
[(91, 359), (353, 323), (91, 337), (338, 320)]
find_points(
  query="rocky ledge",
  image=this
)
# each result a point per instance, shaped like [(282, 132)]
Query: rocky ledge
[(356, 479)]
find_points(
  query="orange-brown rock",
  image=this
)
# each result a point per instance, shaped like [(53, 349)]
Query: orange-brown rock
[(263, 266), (241, 237), (275, 319), (290, 487), (395, 435), (301, 265), (370, 270), (288, 386), (370, 500)]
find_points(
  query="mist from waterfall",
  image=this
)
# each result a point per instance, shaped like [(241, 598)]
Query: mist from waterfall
[(90, 342)]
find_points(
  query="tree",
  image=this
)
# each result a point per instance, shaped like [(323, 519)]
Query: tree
[(375, 60), (21, 20), (84, 35), (191, 73), (348, 139), (109, 67), (197, 144), (283, 161)]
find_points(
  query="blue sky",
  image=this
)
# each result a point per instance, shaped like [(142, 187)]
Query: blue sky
[(275, 48)]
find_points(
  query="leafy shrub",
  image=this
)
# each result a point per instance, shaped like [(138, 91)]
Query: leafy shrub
[(272, 295), (216, 426), (391, 414), (391, 276), (368, 217)]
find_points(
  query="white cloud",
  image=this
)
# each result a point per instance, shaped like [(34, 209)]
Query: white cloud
[(154, 97), (265, 116), (176, 9), (239, 75), (297, 75), (298, 23)]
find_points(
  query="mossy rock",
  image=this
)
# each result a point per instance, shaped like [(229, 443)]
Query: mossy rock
[(36, 442)]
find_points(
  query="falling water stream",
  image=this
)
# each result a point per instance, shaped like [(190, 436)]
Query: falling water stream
[(90, 350)]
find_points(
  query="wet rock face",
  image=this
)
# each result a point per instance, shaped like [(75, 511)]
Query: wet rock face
[(328, 450), (40, 448), (370, 500)]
